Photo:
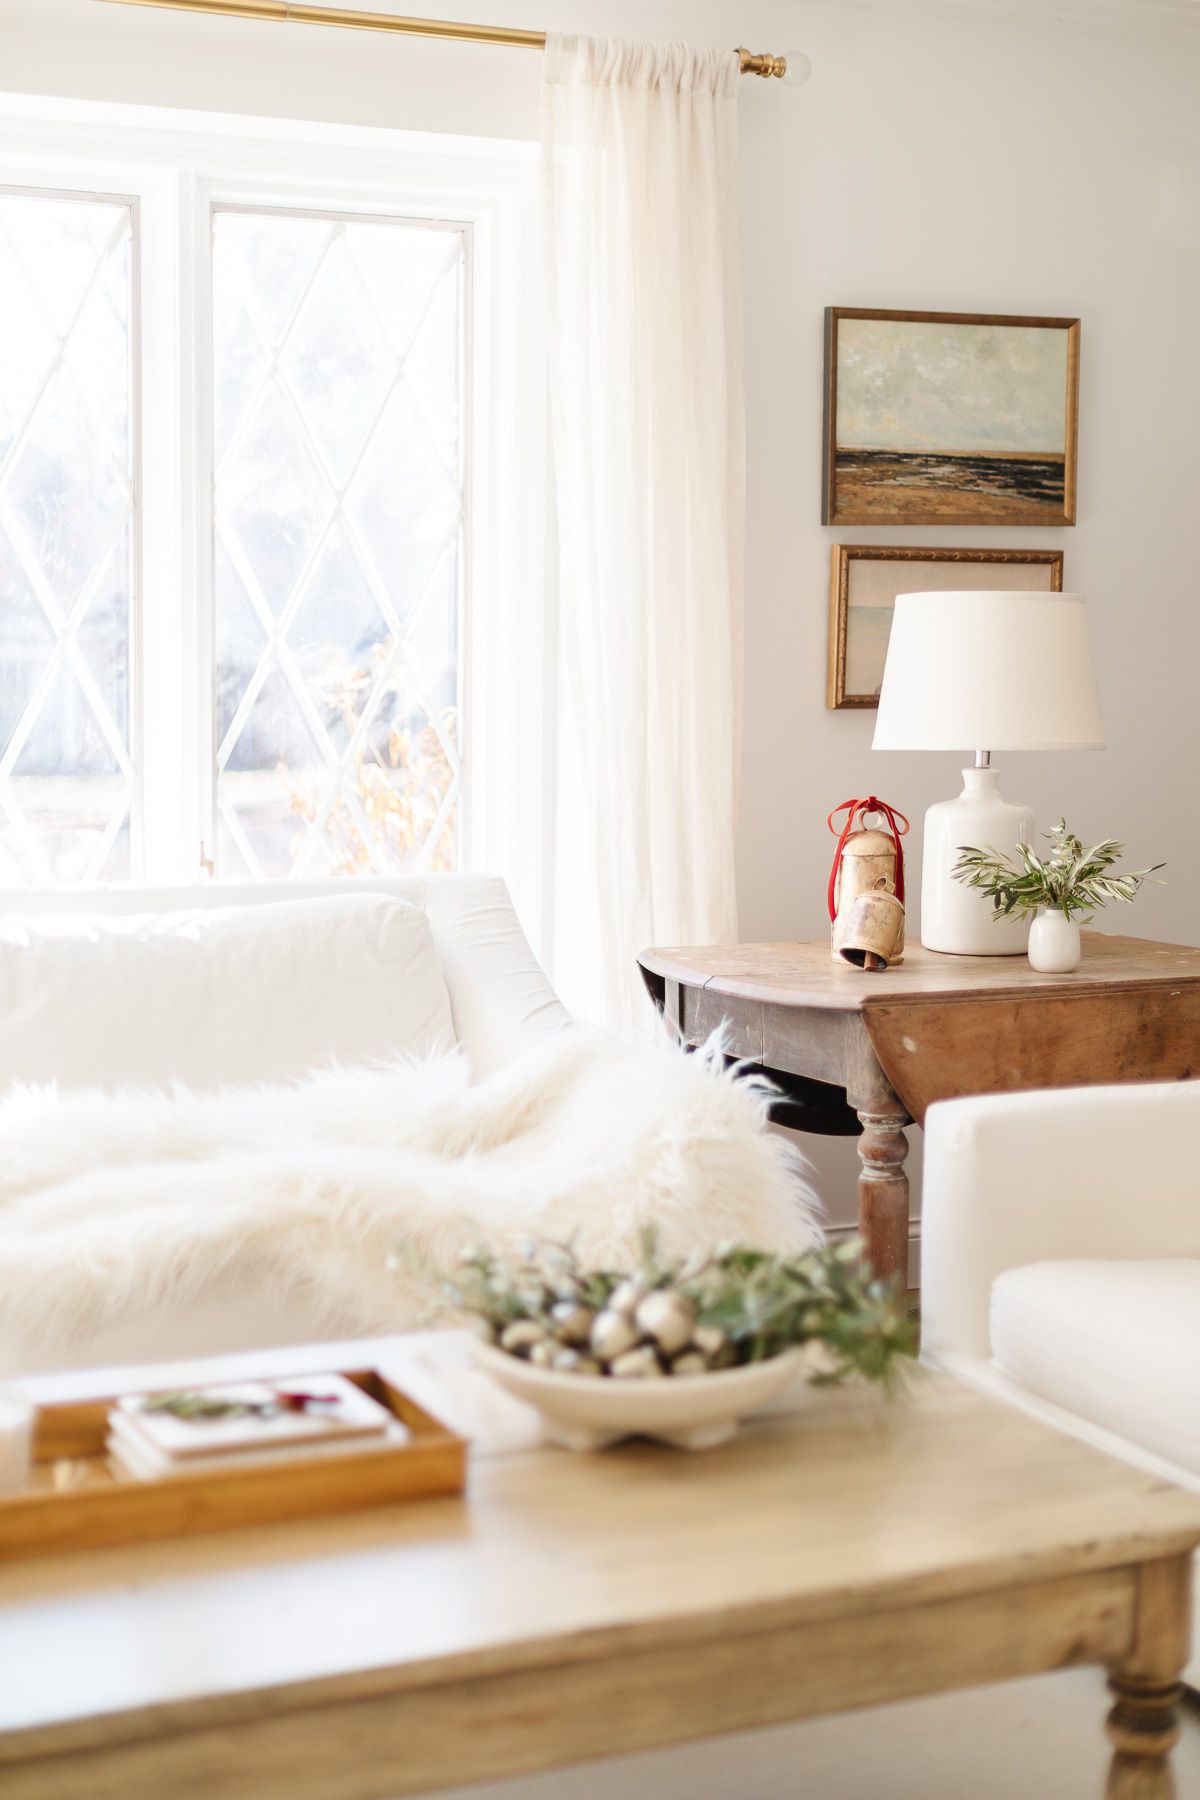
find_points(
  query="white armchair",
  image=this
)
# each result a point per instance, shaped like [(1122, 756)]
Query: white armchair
[(1060, 1263)]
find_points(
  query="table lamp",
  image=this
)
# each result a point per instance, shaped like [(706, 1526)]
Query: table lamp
[(1009, 670)]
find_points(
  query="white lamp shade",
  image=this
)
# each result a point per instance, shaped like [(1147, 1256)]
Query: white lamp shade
[(989, 670)]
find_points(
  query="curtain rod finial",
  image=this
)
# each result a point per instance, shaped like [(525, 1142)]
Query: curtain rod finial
[(793, 68)]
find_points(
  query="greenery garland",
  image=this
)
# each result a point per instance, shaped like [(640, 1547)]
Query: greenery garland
[(734, 1306)]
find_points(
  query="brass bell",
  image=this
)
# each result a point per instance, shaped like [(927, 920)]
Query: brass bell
[(868, 857), (873, 933)]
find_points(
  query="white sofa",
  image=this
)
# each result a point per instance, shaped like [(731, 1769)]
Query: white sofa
[(497, 991), (100, 989), (1060, 1264)]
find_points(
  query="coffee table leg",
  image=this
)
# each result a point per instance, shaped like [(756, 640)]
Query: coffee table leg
[(883, 1194), (1143, 1724)]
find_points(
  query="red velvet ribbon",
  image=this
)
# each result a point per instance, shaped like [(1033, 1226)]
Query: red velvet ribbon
[(854, 809)]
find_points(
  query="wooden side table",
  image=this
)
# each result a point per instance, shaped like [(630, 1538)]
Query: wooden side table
[(930, 1028)]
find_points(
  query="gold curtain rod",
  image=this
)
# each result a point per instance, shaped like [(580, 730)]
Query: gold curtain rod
[(351, 19)]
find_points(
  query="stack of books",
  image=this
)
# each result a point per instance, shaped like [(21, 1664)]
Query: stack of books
[(236, 1424)]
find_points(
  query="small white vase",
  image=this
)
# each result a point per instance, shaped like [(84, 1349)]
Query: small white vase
[(1054, 945)]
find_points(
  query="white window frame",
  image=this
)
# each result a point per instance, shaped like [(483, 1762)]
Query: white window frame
[(176, 168)]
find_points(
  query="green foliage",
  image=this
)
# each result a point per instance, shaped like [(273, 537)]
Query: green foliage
[(1070, 880), (196, 1407), (202, 1409), (762, 1304)]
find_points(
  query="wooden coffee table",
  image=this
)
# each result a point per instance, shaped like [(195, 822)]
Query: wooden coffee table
[(874, 1051), (839, 1554)]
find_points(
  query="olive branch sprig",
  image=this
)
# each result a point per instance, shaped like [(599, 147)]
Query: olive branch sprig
[(1070, 880)]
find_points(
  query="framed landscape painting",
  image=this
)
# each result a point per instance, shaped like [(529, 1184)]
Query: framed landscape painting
[(949, 418), (862, 593)]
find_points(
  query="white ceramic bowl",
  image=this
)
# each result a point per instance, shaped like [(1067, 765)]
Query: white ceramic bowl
[(693, 1412)]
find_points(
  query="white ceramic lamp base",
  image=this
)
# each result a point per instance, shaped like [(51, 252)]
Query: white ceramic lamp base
[(955, 918)]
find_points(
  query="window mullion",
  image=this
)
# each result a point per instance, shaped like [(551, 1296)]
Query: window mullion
[(199, 543), (156, 847), (175, 766)]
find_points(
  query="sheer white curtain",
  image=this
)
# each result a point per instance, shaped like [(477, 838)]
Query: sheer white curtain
[(639, 146)]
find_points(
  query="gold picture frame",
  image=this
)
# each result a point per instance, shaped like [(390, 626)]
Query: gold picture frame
[(859, 612), (936, 418)]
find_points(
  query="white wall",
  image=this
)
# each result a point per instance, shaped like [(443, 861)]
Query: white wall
[(950, 160), (1030, 158)]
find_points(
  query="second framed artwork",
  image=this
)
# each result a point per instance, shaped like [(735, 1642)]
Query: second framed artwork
[(862, 593)]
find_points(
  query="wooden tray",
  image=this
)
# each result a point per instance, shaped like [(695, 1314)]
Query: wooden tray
[(103, 1505)]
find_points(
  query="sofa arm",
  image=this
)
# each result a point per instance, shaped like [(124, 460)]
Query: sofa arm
[(1012, 1179), (499, 994)]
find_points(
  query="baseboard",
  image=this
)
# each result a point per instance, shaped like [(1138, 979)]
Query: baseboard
[(837, 1233)]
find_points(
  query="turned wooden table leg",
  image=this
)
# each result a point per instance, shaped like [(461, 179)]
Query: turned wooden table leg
[(883, 1194), (1143, 1724), (1143, 1727)]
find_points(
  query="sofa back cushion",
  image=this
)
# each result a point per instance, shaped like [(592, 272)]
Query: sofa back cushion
[(499, 997), (221, 996)]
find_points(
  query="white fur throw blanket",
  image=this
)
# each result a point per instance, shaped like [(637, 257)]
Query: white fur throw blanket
[(113, 1204)]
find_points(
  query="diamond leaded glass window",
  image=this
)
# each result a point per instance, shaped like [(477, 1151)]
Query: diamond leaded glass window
[(67, 787), (339, 402)]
